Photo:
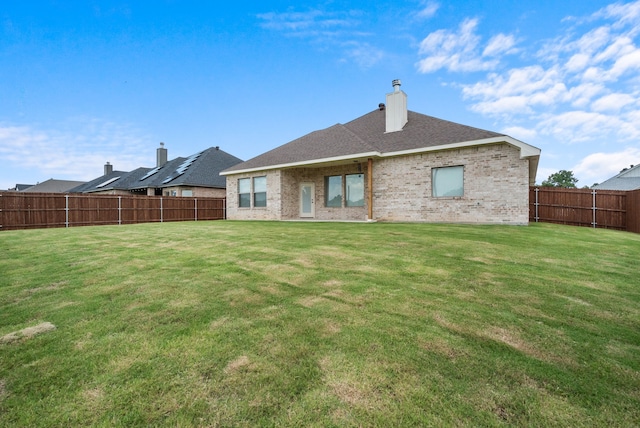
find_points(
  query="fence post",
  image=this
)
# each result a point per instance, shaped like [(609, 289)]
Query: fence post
[(66, 210), (161, 217), (536, 204), (195, 203), (593, 207), (119, 210)]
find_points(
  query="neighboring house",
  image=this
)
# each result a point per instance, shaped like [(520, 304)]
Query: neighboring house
[(197, 175), (389, 165), (20, 187), (53, 186), (627, 179)]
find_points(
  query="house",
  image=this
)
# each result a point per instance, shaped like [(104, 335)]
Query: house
[(627, 179), (391, 164), (20, 187), (197, 175), (53, 186)]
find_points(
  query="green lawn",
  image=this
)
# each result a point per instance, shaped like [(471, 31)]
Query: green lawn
[(320, 324)]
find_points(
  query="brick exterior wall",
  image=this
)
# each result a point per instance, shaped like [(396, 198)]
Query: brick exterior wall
[(273, 209), (197, 192), (496, 189)]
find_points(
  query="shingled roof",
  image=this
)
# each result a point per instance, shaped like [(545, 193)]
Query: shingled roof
[(627, 179), (200, 169), (366, 137)]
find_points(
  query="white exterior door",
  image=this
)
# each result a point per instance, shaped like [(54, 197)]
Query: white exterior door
[(307, 200)]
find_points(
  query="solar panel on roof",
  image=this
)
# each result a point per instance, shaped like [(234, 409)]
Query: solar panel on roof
[(111, 180), (150, 173), (182, 168), (171, 177)]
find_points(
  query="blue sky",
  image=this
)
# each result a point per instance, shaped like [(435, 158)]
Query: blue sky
[(83, 83)]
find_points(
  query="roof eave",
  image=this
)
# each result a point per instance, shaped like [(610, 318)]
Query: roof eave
[(526, 150), (303, 163)]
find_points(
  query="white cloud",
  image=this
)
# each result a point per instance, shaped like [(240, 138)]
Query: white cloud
[(304, 23), (500, 44), (429, 9), (79, 154), (577, 126), (517, 92), (625, 13), (459, 51), (520, 133), (612, 102), (328, 29), (598, 167), (577, 62), (363, 54), (580, 86), (581, 95)]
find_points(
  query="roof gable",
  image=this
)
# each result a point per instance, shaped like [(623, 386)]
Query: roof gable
[(366, 137)]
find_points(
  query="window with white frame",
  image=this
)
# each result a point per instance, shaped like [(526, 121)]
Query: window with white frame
[(447, 181), (260, 191), (244, 192)]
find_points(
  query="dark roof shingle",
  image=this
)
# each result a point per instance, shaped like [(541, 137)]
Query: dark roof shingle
[(366, 134)]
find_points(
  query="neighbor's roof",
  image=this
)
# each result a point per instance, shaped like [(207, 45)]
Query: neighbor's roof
[(366, 137), (627, 179), (53, 186), (201, 169)]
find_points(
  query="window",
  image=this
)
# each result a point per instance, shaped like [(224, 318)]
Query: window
[(447, 182), (259, 191), (354, 186), (333, 191), (244, 193), (186, 192)]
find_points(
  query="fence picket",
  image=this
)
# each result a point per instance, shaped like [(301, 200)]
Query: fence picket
[(42, 210)]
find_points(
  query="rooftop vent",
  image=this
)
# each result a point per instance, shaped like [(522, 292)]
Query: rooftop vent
[(381, 106)]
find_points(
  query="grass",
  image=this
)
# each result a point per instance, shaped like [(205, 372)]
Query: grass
[(320, 324)]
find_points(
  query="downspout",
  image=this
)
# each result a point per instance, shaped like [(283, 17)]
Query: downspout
[(370, 184)]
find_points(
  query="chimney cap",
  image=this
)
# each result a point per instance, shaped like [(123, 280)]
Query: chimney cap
[(396, 84)]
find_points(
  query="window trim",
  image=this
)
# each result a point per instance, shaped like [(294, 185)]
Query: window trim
[(253, 199), (434, 171), (344, 202), (240, 194), (328, 178), (249, 197)]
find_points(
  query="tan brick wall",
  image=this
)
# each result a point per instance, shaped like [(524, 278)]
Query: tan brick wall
[(197, 192), (292, 178), (496, 187), (270, 212)]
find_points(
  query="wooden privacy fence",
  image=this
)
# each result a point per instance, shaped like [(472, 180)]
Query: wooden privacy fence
[(608, 209), (40, 210)]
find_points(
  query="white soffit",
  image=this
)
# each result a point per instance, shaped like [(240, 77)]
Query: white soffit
[(526, 151)]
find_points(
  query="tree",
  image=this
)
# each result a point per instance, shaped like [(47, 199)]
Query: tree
[(561, 178)]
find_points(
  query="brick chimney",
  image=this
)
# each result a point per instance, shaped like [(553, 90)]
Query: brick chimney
[(396, 108), (108, 168), (161, 155)]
